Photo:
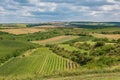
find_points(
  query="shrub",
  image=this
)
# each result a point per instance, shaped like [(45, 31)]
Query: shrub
[(99, 44)]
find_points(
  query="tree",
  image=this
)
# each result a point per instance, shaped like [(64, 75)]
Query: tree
[(99, 44), (118, 40)]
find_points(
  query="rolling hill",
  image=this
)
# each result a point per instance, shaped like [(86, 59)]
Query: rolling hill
[(40, 61)]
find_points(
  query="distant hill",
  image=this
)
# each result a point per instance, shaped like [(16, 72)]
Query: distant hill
[(12, 25), (79, 24), (64, 24)]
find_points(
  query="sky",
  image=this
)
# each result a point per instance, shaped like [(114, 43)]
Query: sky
[(35, 11)]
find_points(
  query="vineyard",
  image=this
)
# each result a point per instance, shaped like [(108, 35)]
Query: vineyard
[(40, 61)]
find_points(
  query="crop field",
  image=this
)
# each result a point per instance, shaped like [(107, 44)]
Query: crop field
[(22, 30), (109, 36), (40, 61), (46, 26), (55, 40)]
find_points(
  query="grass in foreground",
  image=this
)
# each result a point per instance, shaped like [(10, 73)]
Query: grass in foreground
[(98, 76)]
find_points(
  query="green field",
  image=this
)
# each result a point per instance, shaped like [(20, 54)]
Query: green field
[(8, 47), (68, 47), (71, 48)]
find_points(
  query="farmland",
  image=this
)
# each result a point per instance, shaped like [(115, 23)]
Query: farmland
[(41, 61), (56, 52), (22, 30), (55, 40), (110, 36)]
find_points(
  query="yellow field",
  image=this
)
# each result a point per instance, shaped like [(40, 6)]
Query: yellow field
[(22, 30), (109, 36), (58, 39), (48, 27)]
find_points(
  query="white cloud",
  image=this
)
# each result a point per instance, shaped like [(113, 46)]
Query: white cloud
[(1, 9), (110, 7), (94, 13), (79, 8), (114, 1), (44, 6)]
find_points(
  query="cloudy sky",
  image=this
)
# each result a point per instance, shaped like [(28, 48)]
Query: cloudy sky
[(25, 11)]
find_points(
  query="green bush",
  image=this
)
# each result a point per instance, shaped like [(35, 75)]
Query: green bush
[(99, 44)]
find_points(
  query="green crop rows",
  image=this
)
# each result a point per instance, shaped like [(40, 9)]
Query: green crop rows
[(40, 61)]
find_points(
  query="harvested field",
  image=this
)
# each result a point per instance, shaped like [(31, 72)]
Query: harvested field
[(58, 39), (22, 30), (109, 36), (48, 27)]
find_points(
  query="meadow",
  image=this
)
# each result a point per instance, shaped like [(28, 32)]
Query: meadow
[(9, 49)]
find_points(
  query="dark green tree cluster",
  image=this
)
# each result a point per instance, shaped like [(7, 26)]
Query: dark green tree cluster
[(84, 46), (114, 32), (76, 56)]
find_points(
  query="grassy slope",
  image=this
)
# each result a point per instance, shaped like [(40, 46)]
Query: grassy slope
[(41, 61), (70, 48), (7, 47)]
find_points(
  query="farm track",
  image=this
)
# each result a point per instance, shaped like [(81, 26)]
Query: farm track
[(98, 76)]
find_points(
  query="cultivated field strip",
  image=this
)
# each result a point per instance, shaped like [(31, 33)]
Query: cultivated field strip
[(56, 40), (42, 61)]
